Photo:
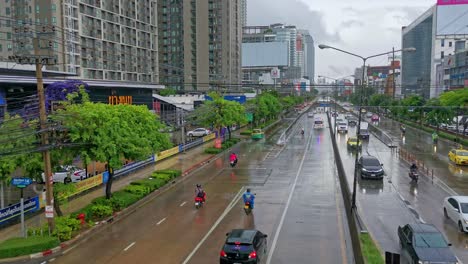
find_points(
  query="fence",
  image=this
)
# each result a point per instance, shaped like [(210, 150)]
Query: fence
[(410, 158)]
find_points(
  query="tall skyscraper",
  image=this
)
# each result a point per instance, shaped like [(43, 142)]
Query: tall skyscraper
[(102, 40), (308, 50), (200, 43), (243, 7)]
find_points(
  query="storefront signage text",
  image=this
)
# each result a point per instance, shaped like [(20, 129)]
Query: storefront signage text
[(115, 100)]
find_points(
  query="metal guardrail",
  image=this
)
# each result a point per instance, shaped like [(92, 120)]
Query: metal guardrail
[(354, 224)]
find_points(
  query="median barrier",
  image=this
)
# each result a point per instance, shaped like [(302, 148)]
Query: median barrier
[(354, 223)]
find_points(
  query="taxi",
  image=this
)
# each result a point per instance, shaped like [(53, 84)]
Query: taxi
[(352, 142), (459, 156), (257, 134)]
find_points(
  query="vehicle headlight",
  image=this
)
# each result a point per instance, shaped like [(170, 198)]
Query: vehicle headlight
[(364, 169), (423, 262), (466, 221)]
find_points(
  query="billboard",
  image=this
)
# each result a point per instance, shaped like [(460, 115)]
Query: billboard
[(265, 54), (452, 2)]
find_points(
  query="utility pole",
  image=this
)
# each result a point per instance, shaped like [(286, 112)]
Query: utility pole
[(44, 136)]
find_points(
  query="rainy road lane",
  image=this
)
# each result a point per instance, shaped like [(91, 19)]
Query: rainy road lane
[(168, 228), (384, 205)]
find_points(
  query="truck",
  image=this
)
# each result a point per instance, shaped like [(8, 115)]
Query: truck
[(364, 130)]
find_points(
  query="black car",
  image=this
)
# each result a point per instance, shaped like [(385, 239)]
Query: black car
[(244, 246), (423, 243), (370, 167), (352, 121)]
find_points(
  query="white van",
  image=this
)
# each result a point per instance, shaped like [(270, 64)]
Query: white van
[(318, 123), (342, 127)]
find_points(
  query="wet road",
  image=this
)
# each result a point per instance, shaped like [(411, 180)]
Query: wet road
[(298, 205), (384, 205)]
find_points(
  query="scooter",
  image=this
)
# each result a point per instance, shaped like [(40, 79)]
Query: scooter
[(247, 208), (198, 202), (233, 163), (414, 175)]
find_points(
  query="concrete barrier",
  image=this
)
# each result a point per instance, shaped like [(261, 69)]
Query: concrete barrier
[(354, 223)]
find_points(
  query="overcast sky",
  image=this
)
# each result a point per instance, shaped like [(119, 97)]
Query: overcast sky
[(365, 27)]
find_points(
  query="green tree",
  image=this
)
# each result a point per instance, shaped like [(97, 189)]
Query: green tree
[(437, 114), (455, 98), (219, 113), (113, 133), (17, 139), (268, 107), (167, 91)]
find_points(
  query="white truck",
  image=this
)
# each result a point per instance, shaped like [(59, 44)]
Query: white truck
[(364, 130)]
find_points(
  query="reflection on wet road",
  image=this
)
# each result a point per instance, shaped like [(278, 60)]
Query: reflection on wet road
[(298, 205), (384, 205)]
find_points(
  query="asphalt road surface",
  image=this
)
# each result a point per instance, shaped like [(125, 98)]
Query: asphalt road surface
[(298, 206)]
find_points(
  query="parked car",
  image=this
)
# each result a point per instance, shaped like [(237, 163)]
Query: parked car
[(342, 127), (199, 132), (456, 209), (244, 246), (458, 156), (423, 243), (67, 174), (370, 167)]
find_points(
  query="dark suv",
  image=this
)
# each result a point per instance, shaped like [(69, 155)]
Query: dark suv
[(243, 246), (370, 167)]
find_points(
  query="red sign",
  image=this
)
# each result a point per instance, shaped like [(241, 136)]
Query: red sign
[(218, 143), (452, 2)]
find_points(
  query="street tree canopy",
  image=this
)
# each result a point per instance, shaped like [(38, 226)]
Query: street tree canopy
[(455, 98), (111, 133)]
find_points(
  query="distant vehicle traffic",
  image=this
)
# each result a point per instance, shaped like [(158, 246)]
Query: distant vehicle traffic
[(364, 130), (370, 167), (199, 132), (318, 123), (423, 243), (244, 246), (456, 209), (66, 174)]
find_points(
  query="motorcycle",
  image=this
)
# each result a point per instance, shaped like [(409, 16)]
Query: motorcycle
[(233, 163), (247, 208), (414, 175), (198, 202)]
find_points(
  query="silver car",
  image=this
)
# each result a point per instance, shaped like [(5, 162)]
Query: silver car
[(199, 132)]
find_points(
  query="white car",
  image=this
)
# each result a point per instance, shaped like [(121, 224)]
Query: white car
[(62, 172), (199, 132), (369, 114), (318, 123), (310, 114), (456, 208), (342, 127)]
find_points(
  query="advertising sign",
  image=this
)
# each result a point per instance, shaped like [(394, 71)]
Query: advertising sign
[(167, 153), (452, 2), (21, 182), (10, 213), (275, 73), (49, 211), (87, 184), (209, 137)]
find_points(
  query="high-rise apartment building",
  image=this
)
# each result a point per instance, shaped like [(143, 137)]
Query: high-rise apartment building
[(200, 43), (101, 40), (243, 8), (308, 49)]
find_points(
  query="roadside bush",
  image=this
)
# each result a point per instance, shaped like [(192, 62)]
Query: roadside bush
[(14, 247), (126, 198), (101, 211), (213, 151), (138, 190), (65, 226), (162, 176), (246, 132), (38, 231), (173, 173), (102, 201)]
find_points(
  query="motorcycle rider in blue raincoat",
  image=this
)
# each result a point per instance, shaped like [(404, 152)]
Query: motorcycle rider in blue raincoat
[(249, 197)]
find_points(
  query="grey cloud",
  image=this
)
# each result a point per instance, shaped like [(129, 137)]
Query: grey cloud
[(351, 23), (339, 70), (292, 12)]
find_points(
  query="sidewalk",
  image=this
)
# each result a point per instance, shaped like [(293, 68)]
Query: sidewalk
[(182, 161)]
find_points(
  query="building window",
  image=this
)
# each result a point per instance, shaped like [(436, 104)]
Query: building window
[(450, 43), (442, 42), (38, 21), (7, 10), (1, 48), (54, 7), (54, 20), (37, 9), (9, 47), (441, 54), (8, 34)]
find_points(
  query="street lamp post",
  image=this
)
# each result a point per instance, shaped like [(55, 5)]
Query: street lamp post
[(364, 59)]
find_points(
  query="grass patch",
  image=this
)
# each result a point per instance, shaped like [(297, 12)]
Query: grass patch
[(370, 251), (246, 132), (19, 246)]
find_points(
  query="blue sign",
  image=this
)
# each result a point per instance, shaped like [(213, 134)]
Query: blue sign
[(21, 182), (12, 212), (236, 98)]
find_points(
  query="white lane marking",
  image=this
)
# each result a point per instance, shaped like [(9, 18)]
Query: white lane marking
[(52, 260), (182, 204), (161, 221), (226, 211), (291, 192), (129, 246)]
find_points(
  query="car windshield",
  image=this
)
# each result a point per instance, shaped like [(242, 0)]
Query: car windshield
[(464, 208), (318, 122), (342, 124), (371, 162), (462, 153), (430, 240)]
